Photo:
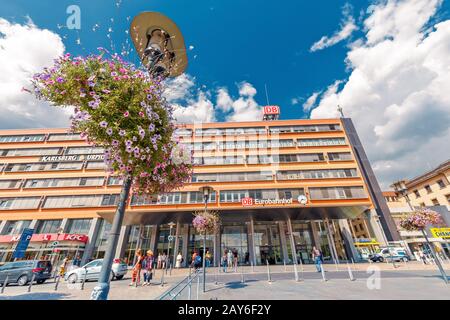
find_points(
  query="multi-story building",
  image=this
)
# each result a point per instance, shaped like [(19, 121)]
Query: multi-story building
[(430, 189), (281, 187)]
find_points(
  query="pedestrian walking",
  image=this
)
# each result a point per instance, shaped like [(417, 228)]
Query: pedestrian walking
[(76, 261), (198, 261), (224, 262), (208, 258), (235, 259), (136, 273), (317, 258), (230, 259), (179, 261), (147, 266), (63, 266), (158, 266), (194, 255)]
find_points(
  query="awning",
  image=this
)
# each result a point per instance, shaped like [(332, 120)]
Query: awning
[(145, 217)]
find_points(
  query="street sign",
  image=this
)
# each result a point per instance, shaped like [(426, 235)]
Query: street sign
[(170, 238), (22, 245), (54, 244), (443, 233)]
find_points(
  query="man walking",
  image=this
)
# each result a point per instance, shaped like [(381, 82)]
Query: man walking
[(317, 257)]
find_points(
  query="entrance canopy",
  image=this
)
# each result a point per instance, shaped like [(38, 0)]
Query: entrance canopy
[(146, 217)]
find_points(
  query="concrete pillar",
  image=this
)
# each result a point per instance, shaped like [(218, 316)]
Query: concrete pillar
[(282, 231), (375, 225), (124, 236), (176, 244), (315, 234), (92, 239), (3, 224), (348, 239), (153, 236), (251, 241), (185, 237), (34, 225), (331, 242), (64, 225), (292, 240)]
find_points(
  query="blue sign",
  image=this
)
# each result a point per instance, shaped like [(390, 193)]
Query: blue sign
[(22, 245)]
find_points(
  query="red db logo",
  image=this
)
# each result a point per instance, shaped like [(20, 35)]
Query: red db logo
[(247, 202)]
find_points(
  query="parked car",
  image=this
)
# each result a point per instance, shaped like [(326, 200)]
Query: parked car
[(21, 272), (396, 254), (91, 271)]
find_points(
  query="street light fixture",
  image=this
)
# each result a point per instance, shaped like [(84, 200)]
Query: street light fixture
[(159, 43), (160, 46), (401, 188), (206, 191), (171, 225)]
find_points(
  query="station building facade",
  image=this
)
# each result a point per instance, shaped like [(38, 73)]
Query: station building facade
[(280, 187)]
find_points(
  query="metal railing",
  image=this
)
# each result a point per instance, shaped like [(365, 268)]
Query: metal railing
[(183, 289)]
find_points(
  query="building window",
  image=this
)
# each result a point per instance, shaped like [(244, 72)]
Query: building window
[(340, 156), (337, 193), (428, 189), (79, 226), (9, 184), (31, 138), (48, 226), (15, 227), (19, 203), (441, 184), (435, 202), (417, 194)]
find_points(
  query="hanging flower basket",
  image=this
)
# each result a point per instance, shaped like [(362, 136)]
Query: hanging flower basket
[(120, 108), (206, 222), (419, 219)]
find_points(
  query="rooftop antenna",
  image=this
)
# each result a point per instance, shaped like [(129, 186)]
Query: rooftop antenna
[(341, 111)]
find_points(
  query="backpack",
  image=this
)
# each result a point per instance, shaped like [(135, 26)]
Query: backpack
[(198, 260)]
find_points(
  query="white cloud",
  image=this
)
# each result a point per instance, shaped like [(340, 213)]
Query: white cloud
[(347, 27), (244, 108), (190, 105), (309, 103), (397, 92), (25, 50)]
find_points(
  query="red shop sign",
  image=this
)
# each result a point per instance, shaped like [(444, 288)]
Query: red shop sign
[(247, 202)]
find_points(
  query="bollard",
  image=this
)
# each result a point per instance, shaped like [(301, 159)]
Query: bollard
[(253, 267), (190, 272), (322, 270), (353, 264), (242, 274), (198, 284), (217, 276), (31, 282), (335, 264), (350, 273), (301, 269), (5, 283), (269, 278), (58, 278), (284, 262), (83, 281), (162, 279), (295, 273)]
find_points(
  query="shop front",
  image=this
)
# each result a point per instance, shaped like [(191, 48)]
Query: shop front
[(53, 247)]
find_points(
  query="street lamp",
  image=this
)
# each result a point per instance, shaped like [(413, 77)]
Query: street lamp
[(206, 191), (160, 46), (400, 187), (171, 225), (159, 43)]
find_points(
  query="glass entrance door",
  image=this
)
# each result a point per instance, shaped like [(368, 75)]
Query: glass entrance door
[(195, 244), (234, 238), (267, 243)]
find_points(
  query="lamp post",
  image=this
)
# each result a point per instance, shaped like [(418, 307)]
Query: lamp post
[(400, 188), (171, 225), (160, 46), (206, 191)]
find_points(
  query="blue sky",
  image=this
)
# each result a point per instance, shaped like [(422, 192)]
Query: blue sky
[(261, 42), (386, 62)]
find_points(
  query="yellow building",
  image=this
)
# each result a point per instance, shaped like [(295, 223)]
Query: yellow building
[(281, 187), (430, 189)]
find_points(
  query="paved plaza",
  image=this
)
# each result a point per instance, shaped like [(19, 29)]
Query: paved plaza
[(406, 281)]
